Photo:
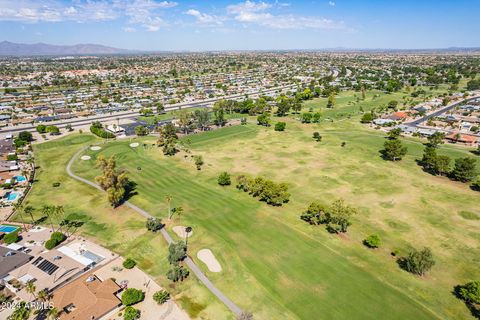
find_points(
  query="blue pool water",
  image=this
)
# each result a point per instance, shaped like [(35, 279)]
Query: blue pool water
[(12, 196), (20, 178), (7, 229)]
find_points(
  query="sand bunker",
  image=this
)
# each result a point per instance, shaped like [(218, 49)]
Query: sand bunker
[(180, 231), (134, 144), (95, 148), (84, 158), (207, 257)]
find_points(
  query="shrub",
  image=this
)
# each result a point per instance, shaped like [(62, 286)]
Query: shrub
[(11, 237), (55, 239), (177, 273), (372, 241), (418, 262), (41, 128), (161, 296), (97, 129), (154, 224), (131, 313), (367, 118), (317, 136), (224, 179), (132, 296), (58, 236), (280, 126), (12, 157), (56, 184), (129, 263), (50, 244)]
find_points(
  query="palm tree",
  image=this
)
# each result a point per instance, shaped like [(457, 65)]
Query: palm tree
[(48, 211), (53, 313), (59, 212), (31, 288), (169, 198), (43, 295), (29, 210), (179, 211), (22, 312), (19, 209)]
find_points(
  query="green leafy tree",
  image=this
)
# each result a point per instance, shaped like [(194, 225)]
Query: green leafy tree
[(263, 119), (394, 150), (112, 180), (177, 252), (464, 169), (436, 139), (306, 117), (418, 262), (331, 101), (339, 216), (469, 292), (219, 115), (177, 273), (316, 213), (141, 131)]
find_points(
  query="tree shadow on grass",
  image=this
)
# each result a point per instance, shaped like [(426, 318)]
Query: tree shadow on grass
[(130, 190)]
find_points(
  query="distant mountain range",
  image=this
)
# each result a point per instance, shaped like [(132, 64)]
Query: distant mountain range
[(43, 49)]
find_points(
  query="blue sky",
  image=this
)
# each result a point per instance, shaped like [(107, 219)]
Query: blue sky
[(247, 25)]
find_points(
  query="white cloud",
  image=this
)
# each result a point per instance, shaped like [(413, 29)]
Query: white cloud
[(247, 6), (331, 3), (204, 18), (145, 13), (256, 13)]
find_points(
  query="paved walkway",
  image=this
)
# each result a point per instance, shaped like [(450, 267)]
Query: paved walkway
[(195, 269)]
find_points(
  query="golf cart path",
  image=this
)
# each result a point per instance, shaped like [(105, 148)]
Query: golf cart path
[(195, 269)]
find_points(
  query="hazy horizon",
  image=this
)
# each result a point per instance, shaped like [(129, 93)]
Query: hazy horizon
[(154, 25)]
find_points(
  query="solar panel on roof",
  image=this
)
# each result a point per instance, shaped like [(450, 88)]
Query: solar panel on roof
[(37, 261), (47, 267)]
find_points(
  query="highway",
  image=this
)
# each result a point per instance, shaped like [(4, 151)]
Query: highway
[(135, 113)]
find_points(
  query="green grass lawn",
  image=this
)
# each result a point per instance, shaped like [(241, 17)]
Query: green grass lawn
[(121, 230), (273, 263)]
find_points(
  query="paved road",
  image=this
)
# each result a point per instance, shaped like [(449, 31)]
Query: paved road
[(437, 113), (133, 114), (195, 269)]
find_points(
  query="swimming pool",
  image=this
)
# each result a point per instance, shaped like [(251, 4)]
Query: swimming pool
[(7, 229), (12, 196), (20, 178)]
